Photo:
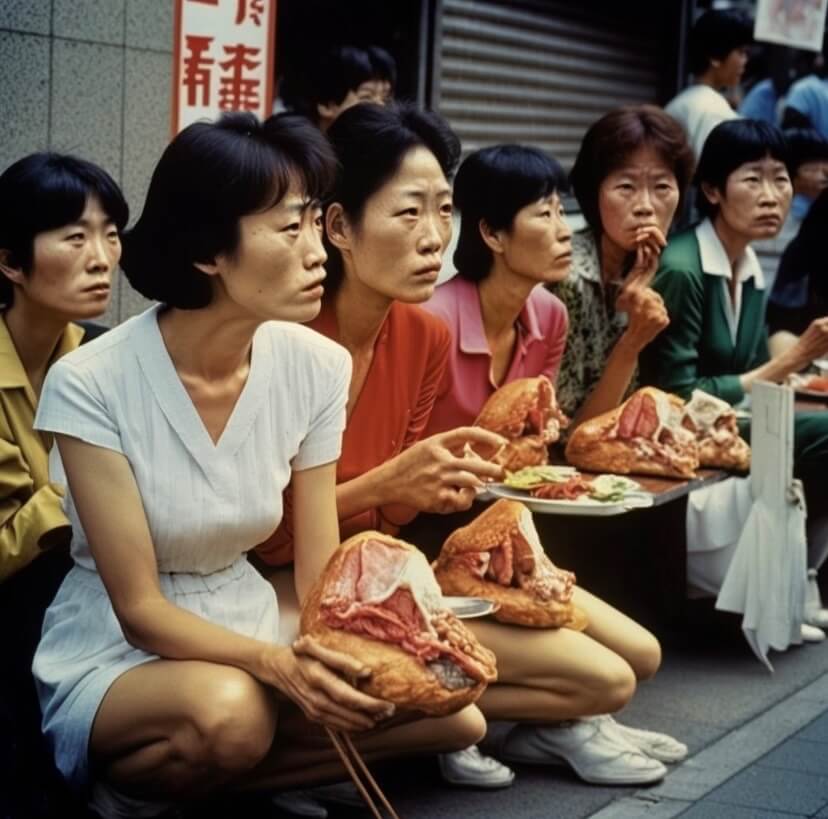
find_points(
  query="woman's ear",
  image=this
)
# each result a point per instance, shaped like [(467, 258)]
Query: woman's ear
[(14, 275), (209, 268), (493, 239), (337, 227), (711, 193)]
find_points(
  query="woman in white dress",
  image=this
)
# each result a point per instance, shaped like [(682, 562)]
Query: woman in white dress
[(159, 673)]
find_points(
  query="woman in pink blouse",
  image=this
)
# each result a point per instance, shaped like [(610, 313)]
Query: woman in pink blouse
[(513, 238)]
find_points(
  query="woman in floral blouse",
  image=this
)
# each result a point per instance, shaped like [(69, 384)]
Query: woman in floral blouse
[(630, 177)]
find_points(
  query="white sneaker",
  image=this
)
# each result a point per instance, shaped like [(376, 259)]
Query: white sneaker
[(594, 750), (659, 746), (470, 769), (811, 634), (815, 614)]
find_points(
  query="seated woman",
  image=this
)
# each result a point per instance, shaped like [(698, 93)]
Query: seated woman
[(514, 237), (712, 286), (393, 201), (159, 659), (630, 177), (60, 219), (800, 291)]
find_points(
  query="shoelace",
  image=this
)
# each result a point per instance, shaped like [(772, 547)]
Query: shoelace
[(355, 766)]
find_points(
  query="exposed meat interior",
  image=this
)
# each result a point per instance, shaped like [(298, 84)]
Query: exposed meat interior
[(376, 595), (571, 489), (639, 418)]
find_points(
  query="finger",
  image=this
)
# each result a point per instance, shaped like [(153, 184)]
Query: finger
[(474, 468), (339, 661), (456, 500), (457, 438), (349, 698)]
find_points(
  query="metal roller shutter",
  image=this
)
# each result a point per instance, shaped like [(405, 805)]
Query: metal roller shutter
[(542, 72)]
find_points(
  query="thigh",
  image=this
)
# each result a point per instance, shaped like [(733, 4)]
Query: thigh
[(289, 608), (154, 700), (620, 634), (559, 659)]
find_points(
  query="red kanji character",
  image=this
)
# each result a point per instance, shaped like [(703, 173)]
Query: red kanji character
[(196, 69), (237, 92), (257, 9)]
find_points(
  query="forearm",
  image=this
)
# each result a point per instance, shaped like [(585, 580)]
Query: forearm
[(613, 384), (29, 528), (370, 490), (777, 369), (158, 626)]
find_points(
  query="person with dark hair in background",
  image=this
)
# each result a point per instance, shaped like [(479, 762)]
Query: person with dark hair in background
[(159, 672), (630, 177), (800, 292), (60, 224), (713, 288), (345, 76), (718, 53), (806, 105)]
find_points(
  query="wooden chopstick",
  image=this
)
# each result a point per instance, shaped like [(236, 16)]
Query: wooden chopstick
[(350, 755)]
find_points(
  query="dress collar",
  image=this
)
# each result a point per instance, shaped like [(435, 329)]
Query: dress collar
[(714, 259)]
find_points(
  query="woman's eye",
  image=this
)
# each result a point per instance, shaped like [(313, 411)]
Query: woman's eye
[(546, 214), (408, 212), (447, 210), (76, 237), (293, 227)]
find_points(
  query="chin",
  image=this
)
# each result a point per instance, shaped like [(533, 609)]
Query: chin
[(416, 295)]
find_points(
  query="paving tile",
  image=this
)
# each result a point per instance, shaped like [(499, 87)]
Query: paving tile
[(149, 24), (25, 15), (817, 731), (716, 810), (823, 813), (798, 755), (24, 95), (774, 789), (101, 21)]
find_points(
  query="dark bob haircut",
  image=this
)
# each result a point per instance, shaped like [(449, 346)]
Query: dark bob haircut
[(612, 140), (715, 34), (343, 69), (44, 191), (492, 185), (208, 178), (371, 142), (730, 144), (804, 145)]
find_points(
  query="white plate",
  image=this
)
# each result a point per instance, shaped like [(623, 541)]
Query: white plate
[(585, 506), (465, 608)]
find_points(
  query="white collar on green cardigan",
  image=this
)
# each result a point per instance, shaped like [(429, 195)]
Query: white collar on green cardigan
[(714, 259)]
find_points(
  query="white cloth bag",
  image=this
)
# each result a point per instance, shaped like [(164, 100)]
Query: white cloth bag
[(766, 578)]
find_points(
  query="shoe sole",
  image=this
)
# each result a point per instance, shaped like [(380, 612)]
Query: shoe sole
[(483, 786), (553, 759)]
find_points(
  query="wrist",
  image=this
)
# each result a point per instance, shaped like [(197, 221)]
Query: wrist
[(628, 346)]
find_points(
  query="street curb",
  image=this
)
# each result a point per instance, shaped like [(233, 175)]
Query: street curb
[(717, 763)]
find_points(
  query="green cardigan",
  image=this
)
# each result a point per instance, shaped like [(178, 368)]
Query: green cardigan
[(696, 349)]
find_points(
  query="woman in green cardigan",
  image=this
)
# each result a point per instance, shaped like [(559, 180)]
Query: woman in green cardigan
[(712, 285)]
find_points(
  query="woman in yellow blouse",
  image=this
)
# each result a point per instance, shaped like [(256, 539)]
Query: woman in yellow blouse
[(60, 219)]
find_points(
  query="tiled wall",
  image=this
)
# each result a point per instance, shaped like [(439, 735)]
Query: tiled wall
[(90, 77)]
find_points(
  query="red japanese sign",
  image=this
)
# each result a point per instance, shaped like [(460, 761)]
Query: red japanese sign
[(223, 55)]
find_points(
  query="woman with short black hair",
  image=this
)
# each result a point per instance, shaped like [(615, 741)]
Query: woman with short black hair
[(178, 431), (630, 178)]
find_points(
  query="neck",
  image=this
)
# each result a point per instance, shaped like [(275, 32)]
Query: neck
[(211, 343), (360, 313), (502, 297), (734, 243), (613, 258), (709, 78), (35, 333)]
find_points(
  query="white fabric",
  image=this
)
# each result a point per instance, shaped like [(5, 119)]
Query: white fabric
[(766, 579), (714, 262), (699, 109), (206, 504)]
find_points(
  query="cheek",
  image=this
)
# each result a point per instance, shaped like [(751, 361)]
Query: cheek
[(613, 213)]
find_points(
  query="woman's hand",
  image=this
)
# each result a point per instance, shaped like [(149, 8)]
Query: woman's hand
[(647, 314), (443, 473), (813, 343), (322, 683), (649, 242)]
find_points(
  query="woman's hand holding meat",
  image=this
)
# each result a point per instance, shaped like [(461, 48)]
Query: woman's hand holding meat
[(443, 473), (318, 680)]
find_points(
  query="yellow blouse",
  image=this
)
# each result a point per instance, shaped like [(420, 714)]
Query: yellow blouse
[(30, 506)]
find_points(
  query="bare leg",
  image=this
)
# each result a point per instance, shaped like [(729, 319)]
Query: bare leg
[(620, 634), (548, 675)]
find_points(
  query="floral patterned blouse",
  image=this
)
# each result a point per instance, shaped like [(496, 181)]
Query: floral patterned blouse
[(594, 326)]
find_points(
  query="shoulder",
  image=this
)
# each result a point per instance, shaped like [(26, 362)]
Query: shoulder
[(302, 345), (547, 306), (448, 297), (682, 253), (418, 326)]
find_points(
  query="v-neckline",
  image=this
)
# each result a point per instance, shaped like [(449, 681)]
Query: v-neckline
[(178, 406)]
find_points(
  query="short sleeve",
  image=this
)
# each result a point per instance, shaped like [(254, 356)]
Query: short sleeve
[(73, 403), (323, 442)]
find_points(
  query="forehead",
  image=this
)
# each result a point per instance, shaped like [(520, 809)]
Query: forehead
[(645, 158), (377, 87), (419, 171), (766, 163)]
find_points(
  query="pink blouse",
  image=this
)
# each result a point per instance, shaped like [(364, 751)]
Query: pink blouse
[(541, 337)]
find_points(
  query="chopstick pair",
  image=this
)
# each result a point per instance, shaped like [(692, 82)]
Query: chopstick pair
[(355, 765)]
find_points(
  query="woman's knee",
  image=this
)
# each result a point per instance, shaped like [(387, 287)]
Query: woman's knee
[(233, 728), (609, 690), (644, 656), (458, 731)]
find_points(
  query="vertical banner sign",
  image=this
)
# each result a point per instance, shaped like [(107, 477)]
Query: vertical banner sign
[(223, 55), (794, 23)]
